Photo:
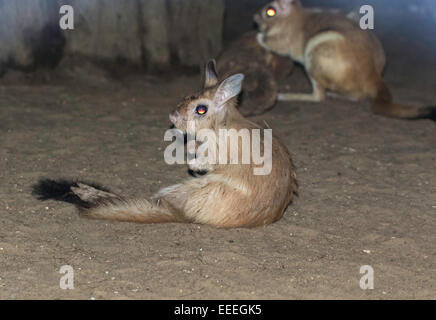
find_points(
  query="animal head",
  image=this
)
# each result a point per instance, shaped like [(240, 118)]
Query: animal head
[(272, 21), (209, 108)]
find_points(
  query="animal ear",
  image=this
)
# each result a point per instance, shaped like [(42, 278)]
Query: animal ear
[(287, 4), (211, 77), (228, 89)]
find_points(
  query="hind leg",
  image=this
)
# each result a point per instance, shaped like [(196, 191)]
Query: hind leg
[(332, 64), (317, 95)]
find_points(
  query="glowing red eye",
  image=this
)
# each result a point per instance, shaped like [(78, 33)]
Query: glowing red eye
[(201, 109), (271, 12)]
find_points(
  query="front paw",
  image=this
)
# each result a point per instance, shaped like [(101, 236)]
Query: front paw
[(199, 167), (260, 40), (197, 174)]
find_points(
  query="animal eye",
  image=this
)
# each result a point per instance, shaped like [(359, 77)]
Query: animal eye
[(271, 12), (201, 109)]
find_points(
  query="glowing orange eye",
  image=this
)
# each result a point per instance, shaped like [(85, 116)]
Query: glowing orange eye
[(201, 109), (271, 12)]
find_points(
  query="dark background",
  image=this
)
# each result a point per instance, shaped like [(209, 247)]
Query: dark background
[(156, 35)]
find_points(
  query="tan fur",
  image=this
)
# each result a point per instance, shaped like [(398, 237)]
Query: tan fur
[(228, 196), (337, 54)]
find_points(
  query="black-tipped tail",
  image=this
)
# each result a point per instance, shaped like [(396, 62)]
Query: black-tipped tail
[(60, 190), (95, 202)]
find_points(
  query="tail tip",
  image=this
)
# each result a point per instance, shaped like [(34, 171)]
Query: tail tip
[(59, 190), (46, 189)]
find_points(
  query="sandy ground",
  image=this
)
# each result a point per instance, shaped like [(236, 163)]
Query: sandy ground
[(367, 197)]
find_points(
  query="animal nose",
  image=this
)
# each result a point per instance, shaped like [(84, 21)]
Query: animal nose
[(258, 23)]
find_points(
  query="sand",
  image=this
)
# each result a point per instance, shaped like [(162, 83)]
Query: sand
[(367, 197)]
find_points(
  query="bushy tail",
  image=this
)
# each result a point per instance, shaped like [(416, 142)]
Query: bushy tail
[(383, 105), (96, 203)]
